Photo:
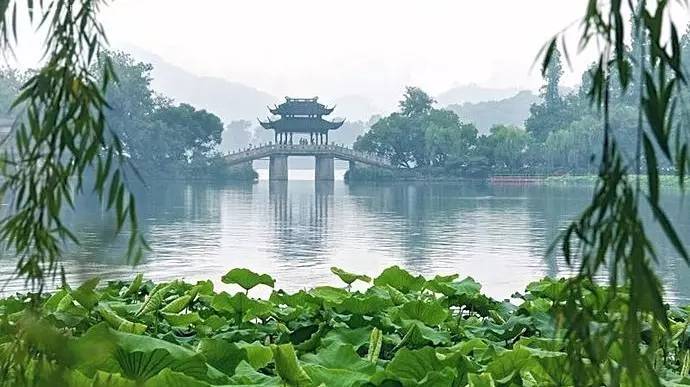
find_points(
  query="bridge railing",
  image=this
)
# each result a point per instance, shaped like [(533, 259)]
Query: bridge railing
[(266, 149)]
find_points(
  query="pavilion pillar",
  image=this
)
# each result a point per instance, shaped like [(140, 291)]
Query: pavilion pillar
[(324, 168), (278, 167), (290, 138), (326, 138)]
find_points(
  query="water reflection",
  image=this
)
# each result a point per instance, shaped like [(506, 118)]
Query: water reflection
[(297, 230)]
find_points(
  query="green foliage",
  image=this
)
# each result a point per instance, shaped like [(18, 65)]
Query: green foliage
[(563, 132), (61, 135), (552, 113), (622, 334), (509, 147), (247, 279), (572, 149), (419, 135), (349, 278), (561, 136), (160, 137), (418, 331), (400, 280), (609, 235), (403, 330), (415, 102), (288, 367)]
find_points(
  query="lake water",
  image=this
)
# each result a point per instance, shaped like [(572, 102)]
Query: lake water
[(296, 231)]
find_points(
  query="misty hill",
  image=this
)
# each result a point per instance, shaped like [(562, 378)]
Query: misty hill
[(473, 93), (354, 107), (228, 100), (509, 111)]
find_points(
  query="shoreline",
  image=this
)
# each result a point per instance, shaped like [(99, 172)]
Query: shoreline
[(668, 181)]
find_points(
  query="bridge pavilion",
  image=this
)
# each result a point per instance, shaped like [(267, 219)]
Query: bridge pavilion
[(303, 116)]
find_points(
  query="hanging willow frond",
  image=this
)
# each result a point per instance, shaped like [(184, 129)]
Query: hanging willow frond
[(60, 137), (609, 236)]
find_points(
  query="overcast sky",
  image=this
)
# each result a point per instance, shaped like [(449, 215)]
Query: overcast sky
[(342, 47)]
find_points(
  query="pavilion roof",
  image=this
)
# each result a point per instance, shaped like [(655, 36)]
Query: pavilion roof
[(302, 124), (301, 107)]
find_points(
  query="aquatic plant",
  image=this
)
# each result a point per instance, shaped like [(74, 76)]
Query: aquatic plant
[(404, 330)]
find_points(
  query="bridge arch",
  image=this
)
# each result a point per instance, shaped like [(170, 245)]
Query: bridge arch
[(324, 154)]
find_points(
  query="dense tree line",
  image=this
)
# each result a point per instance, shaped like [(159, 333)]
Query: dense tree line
[(422, 137), (562, 134), (161, 138), (419, 135)]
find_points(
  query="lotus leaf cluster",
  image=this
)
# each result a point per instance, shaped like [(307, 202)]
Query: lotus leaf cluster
[(403, 330)]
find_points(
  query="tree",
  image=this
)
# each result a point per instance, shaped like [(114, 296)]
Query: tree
[(194, 134), (130, 99), (400, 136), (574, 149), (419, 135), (554, 71), (509, 145), (237, 134), (415, 102), (610, 234), (552, 113), (61, 136), (397, 138), (159, 137), (447, 139)]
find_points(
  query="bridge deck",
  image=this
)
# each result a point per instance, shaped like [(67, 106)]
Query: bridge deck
[(336, 151)]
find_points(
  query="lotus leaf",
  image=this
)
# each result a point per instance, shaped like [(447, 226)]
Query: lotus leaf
[(247, 279)]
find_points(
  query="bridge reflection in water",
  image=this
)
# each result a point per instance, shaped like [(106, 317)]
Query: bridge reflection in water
[(325, 154), (280, 203), (300, 227)]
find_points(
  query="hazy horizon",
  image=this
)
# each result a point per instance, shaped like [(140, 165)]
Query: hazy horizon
[(339, 49), (359, 55), (344, 48)]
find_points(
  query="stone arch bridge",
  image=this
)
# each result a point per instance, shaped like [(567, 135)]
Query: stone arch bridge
[(325, 154)]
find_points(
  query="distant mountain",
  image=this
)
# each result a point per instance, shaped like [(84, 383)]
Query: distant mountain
[(508, 111), (473, 93), (228, 100)]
